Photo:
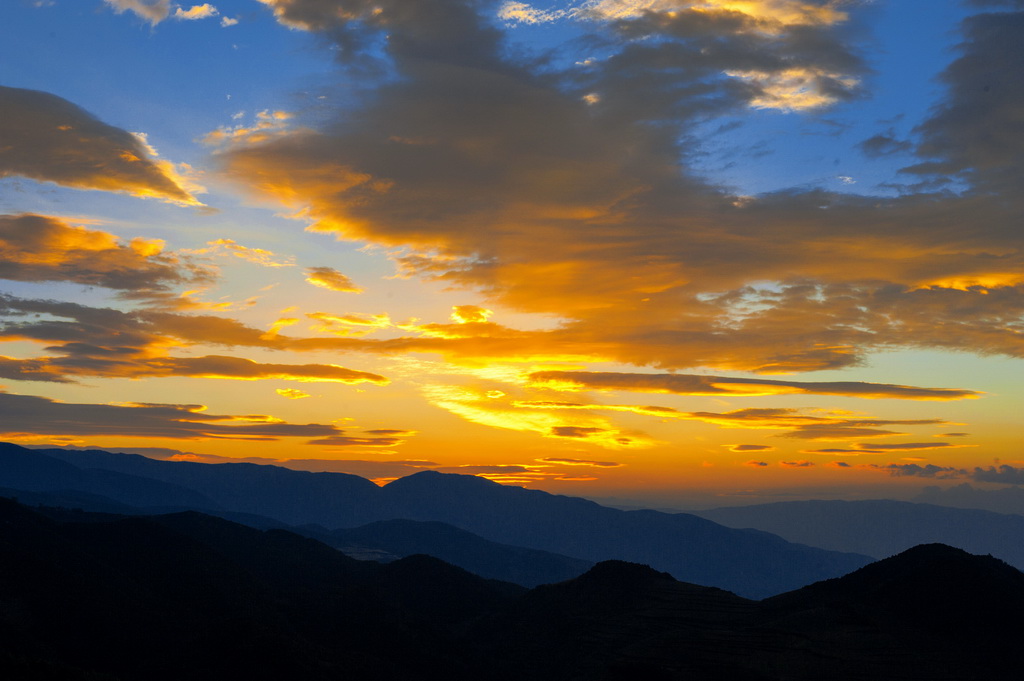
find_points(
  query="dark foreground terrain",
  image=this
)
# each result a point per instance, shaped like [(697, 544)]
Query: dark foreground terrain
[(187, 595)]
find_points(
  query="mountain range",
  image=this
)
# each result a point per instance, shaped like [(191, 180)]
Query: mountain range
[(751, 563), (188, 595)]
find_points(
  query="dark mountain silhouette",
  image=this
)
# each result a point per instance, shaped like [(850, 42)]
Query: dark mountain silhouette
[(93, 596), (399, 538), (881, 528), (754, 564), (934, 608), (194, 596)]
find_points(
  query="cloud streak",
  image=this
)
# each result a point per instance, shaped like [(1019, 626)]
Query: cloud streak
[(22, 415), (696, 384)]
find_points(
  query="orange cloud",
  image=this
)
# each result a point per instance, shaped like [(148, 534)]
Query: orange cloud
[(204, 11), (258, 256), (292, 394), (331, 279), (470, 314), (42, 248), (580, 462)]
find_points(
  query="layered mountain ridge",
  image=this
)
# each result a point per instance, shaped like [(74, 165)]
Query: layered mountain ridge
[(188, 595), (753, 564)]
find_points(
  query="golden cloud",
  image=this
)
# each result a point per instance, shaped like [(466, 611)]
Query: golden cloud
[(479, 408), (43, 248), (580, 462), (331, 279), (292, 394), (195, 12), (258, 256)]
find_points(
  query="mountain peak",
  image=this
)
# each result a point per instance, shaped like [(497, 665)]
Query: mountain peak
[(433, 480), (621, 571)]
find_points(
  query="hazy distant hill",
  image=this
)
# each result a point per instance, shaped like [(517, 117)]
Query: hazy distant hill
[(754, 564), (86, 596), (881, 528)]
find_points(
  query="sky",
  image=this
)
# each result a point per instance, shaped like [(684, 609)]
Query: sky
[(670, 252)]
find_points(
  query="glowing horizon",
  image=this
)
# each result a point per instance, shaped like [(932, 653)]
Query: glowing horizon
[(629, 248)]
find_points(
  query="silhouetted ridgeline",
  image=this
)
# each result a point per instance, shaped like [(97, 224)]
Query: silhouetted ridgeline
[(753, 564), (192, 596)]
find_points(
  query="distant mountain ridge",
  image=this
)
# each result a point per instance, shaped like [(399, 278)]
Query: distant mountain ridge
[(881, 528), (187, 595), (402, 538), (754, 564)]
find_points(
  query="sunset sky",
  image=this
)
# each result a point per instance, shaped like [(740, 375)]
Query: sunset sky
[(703, 253)]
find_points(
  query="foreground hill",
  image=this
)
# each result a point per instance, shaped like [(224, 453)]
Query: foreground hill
[(753, 564), (98, 596), (881, 528), (193, 596)]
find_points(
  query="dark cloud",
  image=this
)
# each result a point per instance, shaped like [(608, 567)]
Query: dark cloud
[(975, 134), (357, 441), (104, 342), (646, 264), (749, 448), (884, 144), (576, 431), (1003, 474), (47, 138), (28, 414), (916, 470)]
